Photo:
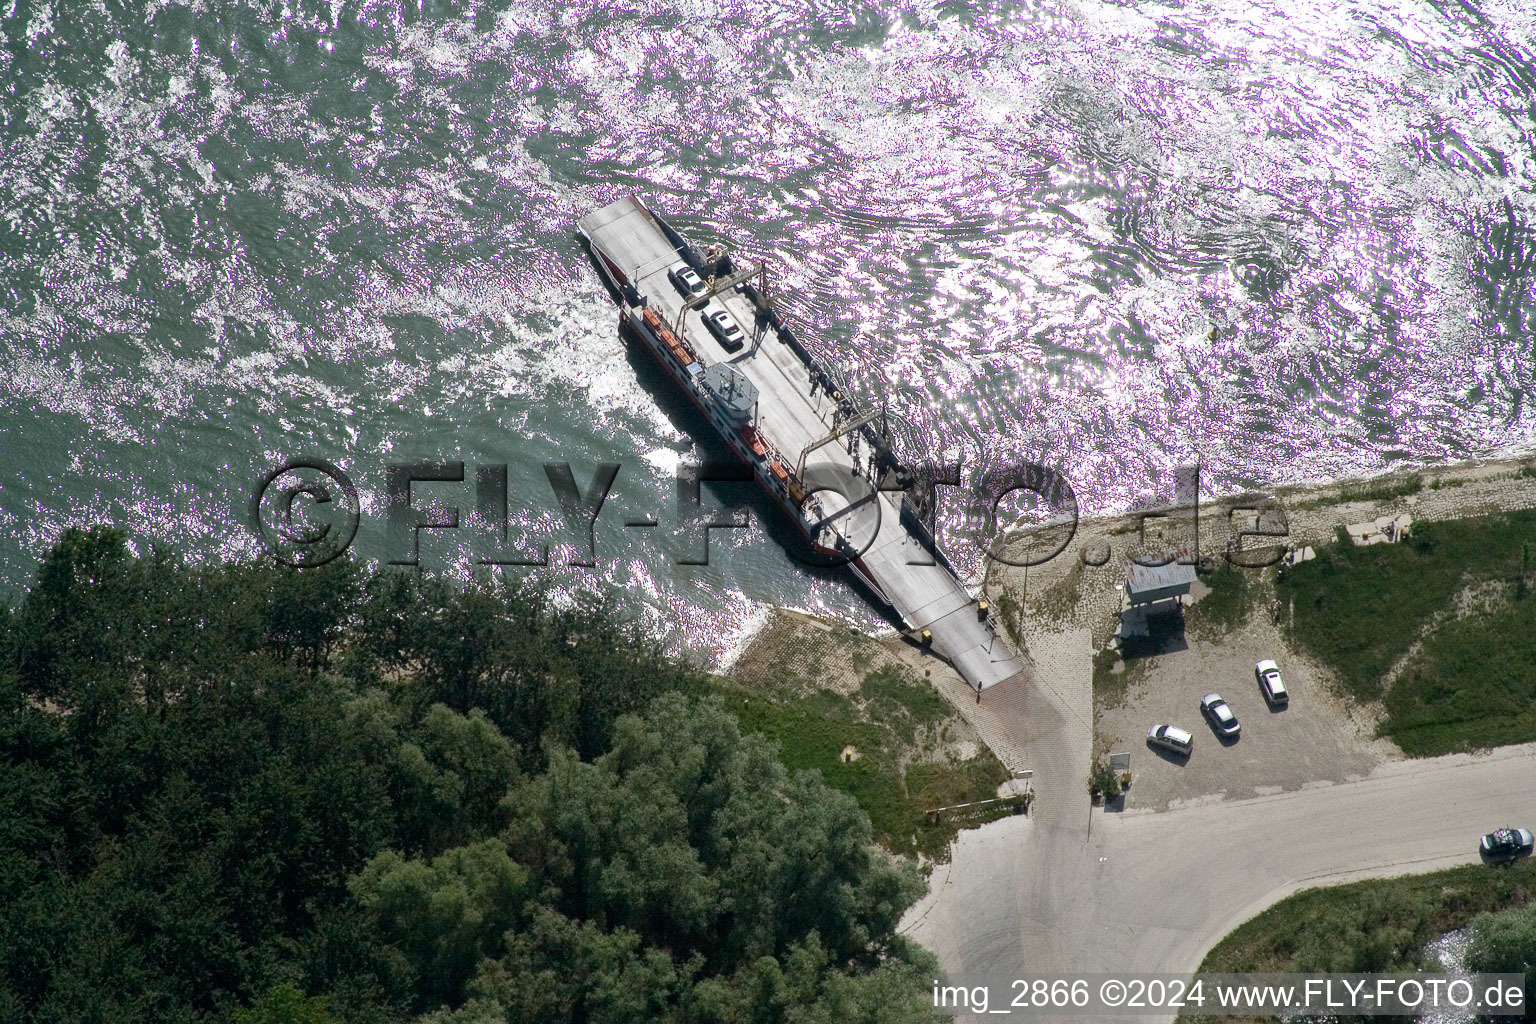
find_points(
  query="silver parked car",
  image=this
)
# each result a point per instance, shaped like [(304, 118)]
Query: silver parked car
[(1219, 713), (1171, 738), (1268, 675)]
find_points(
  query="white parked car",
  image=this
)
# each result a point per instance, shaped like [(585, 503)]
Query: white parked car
[(1268, 675), (1172, 739), (685, 280), (724, 328)]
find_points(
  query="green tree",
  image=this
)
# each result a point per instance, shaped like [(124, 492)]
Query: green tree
[(1505, 943), (237, 792), (286, 1004), (1103, 780), (541, 675), (445, 915), (683, 875)]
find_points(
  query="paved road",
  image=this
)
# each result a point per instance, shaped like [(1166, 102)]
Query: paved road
[(1155, 891)]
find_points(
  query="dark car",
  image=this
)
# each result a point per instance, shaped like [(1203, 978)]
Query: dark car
[(1219, 713), (1507, 843)]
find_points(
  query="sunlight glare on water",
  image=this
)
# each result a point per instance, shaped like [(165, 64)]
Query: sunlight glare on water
[(1290, 240)]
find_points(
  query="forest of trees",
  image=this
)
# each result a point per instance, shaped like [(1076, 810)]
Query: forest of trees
[(250, 794)]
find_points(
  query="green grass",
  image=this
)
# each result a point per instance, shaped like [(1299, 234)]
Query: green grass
[(1382, 490), (1359, 610), (1373, 490), (885, 720), (1110, 687), (1367, 927), (1010, 610), (1234, 595), (1472, 685), (1060, 600)]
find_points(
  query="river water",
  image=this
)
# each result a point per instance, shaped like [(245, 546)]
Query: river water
[(1291, 240)]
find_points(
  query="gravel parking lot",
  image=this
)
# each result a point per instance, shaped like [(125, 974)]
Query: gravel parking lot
[(1314, 742)]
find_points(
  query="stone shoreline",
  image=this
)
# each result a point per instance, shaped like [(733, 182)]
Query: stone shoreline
[(1066, 591)]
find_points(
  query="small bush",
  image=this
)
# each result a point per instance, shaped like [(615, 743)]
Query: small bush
[(1103, 780)]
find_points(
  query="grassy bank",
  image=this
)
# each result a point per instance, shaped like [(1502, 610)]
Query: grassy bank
[(896, 727), (1377, 926), (1234, 594), (1440, 628), (1370, 490), (1113, 677)]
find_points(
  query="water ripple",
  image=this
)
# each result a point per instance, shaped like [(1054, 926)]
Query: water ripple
[(1291, 240)]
